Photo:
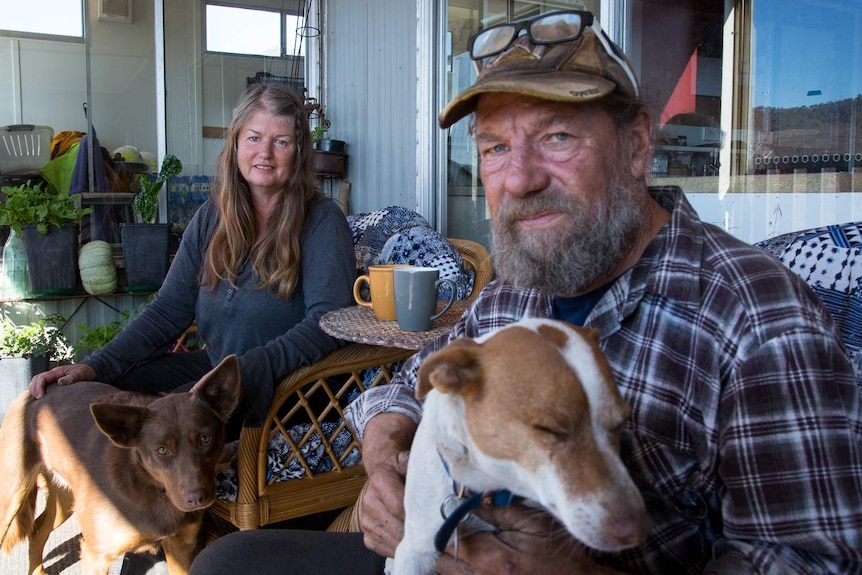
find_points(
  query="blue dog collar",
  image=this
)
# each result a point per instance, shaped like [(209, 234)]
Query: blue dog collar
[(500, 498)]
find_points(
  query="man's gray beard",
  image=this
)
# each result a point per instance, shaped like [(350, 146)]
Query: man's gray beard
[(568, 263)]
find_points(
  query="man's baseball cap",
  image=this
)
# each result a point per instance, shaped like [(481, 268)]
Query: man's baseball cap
[(587, 68)]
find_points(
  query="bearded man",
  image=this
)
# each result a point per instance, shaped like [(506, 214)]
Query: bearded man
[(745, 436)]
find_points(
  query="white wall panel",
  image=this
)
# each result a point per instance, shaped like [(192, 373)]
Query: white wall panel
[(371, 98)]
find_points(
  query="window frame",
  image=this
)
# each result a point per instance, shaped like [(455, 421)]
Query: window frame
[(283, 14), (9, 33)]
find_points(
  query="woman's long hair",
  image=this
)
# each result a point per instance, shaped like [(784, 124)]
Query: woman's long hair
[(275, 256)]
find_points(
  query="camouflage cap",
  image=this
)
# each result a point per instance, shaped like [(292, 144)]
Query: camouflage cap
[(577, 71)]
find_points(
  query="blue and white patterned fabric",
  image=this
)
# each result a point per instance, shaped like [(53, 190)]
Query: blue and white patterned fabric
[(396, 235), (829, 259), (280, 460)]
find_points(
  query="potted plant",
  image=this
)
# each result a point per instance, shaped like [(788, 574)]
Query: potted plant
[(91, 338), (329, 155), (42, 338), (318, 134), (323, 141), (145, 204), (48, 223), (146, 243), (27, 350)]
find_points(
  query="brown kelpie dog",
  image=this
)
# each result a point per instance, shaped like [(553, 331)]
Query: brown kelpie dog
[(138, 471)]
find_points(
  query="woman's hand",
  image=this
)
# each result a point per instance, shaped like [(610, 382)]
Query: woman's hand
[(384, 452), (61, 375), (527, 541)]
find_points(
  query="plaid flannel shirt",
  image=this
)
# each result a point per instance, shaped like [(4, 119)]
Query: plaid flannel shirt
[(746, 429)]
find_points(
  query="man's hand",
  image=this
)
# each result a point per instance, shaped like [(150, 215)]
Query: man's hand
[(528, 541), (61, 375), (385, 450)]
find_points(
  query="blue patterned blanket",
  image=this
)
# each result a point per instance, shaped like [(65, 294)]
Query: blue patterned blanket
[(829, 259), (396, 235), (282, 461)]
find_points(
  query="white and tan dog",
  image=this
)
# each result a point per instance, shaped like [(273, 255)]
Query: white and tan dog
[(531, 408)]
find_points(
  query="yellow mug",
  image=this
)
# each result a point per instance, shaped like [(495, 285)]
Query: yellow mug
[(381, 290)]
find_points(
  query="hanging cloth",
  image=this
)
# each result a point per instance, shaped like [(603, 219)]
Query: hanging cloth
[(101, 221)]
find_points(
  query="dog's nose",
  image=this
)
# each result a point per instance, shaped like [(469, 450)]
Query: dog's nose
[(195, 497), (630, 531)]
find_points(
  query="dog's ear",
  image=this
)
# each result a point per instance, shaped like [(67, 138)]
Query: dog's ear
[(220, 387), (450, 370), (121, 423)]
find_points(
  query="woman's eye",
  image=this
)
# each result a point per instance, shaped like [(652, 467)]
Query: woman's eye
[(253, 138)]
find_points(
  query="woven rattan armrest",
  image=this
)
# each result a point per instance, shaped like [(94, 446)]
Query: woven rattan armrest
[(311, 394)]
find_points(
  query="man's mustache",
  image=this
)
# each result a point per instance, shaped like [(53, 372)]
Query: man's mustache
[(515, 209)]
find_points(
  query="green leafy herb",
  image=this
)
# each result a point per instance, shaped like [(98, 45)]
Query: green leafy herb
[(29, 204), (318, 133), (39, 338), (146, 202), (93, 338)]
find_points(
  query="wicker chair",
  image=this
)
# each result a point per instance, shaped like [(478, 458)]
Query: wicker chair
[(312, 399)]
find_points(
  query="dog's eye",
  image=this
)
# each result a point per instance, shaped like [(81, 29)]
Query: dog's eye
[(162, 450), (205, 439), (555, 433)]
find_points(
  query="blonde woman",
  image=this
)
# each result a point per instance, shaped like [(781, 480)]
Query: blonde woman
[(258, 265)]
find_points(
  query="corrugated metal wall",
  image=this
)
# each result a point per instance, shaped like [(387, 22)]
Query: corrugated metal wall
[(371, 98)]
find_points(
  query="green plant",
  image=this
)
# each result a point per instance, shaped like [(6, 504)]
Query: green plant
[(29, 204), (145, 204), (93, 338), (319, 133), (39, 338)]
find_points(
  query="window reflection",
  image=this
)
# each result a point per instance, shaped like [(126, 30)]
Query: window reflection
[(805, 87), (763, 134)]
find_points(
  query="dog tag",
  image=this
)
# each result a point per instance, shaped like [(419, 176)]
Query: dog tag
[(449, 504)]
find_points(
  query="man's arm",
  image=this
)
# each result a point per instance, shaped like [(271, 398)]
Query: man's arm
[(791, 460)]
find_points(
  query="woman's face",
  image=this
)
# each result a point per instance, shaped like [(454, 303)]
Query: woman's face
[(266, 152)]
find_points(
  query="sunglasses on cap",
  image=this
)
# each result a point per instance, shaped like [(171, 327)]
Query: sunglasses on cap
[(551, 28)]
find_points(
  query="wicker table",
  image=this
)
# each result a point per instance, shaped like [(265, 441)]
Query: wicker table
[(358, 323)]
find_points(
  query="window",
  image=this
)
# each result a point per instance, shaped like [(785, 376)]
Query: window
[(764, 134), (253, 31), (48, 17)]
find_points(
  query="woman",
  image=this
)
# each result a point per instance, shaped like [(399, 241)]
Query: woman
[(258, 265)]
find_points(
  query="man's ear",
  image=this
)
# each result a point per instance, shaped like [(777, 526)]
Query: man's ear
[(640, 138)]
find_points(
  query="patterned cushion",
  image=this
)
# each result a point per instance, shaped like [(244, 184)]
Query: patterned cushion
[(829, 259), (396, 235), (279, 452)]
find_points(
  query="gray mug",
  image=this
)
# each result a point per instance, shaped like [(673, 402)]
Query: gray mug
[(416, 297)]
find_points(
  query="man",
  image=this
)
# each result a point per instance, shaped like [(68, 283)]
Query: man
[(746, 430)]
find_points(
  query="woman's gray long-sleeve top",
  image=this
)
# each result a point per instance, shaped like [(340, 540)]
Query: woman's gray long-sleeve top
[(271, 336)]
